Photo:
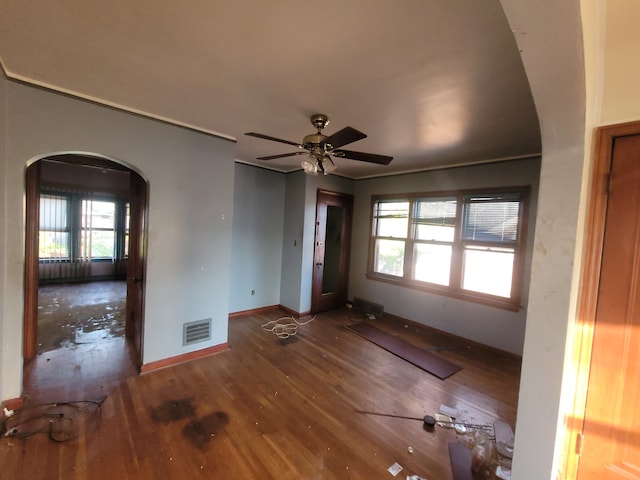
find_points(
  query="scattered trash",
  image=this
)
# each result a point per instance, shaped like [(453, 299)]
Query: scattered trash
[(504, 438), (444, 420), (395, 469), (460, 428), (503, 473), (415, 477), (410, 449), (482, 455), (448, 411), (8, 413), (429, 423)]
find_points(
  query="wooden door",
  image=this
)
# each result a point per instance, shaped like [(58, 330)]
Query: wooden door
[(134, 326), (331, 251), (611, 427), (31, 266)]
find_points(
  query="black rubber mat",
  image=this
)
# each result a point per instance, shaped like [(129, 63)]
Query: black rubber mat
[(427, 361)]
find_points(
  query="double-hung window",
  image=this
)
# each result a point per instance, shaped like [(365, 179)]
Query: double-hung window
[(489, 241), (97, 239), (467, 244), (433, 232), (54, 238), (76, 226), (391, 219)]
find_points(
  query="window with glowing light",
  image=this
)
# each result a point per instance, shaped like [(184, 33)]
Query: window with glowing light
[(53, 241), (466, 244), (76, 226)]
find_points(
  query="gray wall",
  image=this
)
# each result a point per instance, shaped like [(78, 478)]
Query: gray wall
[(258, 229), (299, 235), (290, 284), (190, 178), (497, 327)]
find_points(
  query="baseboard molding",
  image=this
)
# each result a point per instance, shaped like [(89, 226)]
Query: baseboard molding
[(270, 308), (454, 337), (254, 311), (294, 313), (13, 403), (183, 358)]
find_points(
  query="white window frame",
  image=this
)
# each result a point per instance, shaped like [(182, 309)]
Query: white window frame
[(502, 244)]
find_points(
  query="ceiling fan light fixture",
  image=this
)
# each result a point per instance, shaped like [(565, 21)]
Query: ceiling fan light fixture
[(309, 166), (327, 165)]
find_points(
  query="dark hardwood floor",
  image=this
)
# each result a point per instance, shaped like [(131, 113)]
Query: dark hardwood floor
[(265, 409)]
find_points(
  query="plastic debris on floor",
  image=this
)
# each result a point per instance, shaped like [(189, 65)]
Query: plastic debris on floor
[(395, 469)]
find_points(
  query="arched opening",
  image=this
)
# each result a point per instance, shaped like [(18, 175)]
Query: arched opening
[(85, 248)]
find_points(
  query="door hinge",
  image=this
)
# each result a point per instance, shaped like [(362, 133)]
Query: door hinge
[(608, 184), (579, 443)]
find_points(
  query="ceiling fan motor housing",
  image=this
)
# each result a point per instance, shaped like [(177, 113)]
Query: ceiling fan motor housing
[(315, 140)]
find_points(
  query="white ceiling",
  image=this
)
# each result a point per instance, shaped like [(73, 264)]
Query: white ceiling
[(432, 83)]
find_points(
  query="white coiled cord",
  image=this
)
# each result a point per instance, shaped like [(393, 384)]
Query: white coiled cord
[(284, 327)]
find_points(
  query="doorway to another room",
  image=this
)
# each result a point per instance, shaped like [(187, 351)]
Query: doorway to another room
[(83, 267), (331, 251)]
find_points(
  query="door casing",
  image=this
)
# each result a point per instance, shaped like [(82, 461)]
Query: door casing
[(320, 300), (134, 326), (583, 333)]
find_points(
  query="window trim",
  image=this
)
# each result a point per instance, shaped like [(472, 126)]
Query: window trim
[(454, 289)]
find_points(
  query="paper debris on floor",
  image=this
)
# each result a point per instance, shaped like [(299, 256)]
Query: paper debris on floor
[(503, 473), (395, 469), (504, 438), (444, 421), (448, 411)]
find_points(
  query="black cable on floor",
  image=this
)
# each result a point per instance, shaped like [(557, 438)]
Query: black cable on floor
[(48, 418)]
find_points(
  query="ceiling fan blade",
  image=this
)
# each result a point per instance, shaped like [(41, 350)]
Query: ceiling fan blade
[(282, 155), (273, 139), (344, 136), (363, 157)]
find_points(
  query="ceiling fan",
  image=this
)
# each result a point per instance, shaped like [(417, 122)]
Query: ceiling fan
[(320, 148)]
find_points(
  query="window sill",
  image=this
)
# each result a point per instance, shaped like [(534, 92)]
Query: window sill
[(488, 300), (45, 261)]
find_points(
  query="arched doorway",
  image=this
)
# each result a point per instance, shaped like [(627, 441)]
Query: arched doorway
[(78, 184)]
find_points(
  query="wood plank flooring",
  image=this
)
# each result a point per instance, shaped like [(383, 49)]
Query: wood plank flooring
[(265, 409)]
